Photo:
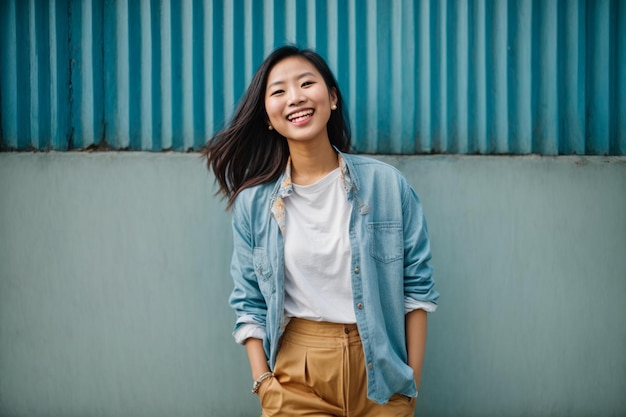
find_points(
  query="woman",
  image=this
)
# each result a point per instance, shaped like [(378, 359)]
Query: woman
[(330, 265)]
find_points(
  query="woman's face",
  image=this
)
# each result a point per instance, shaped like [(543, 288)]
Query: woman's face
[(297, 100)]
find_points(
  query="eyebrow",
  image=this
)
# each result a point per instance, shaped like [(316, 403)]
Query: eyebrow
[(304, 74)]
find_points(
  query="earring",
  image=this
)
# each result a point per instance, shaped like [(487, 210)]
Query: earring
[(333, 107), (270, 127)]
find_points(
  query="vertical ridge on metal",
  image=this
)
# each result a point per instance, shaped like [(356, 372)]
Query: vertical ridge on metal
[(427, 76)]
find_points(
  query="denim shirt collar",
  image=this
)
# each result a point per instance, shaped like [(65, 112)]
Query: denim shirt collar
[(285, 188)]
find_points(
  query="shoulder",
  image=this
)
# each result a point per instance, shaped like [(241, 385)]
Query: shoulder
[(367, 167), (253, 199), (256, 191)]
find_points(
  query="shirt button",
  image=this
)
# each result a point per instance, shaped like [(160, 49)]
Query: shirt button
[(357, 270), (359, 306), (370, 366)]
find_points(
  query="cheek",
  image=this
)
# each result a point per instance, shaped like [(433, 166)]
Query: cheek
[(272, 110)]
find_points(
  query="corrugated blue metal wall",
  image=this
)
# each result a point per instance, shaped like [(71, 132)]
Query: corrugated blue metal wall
[(462, 76)]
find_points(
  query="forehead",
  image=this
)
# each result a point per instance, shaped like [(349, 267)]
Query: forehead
[(291, 68)]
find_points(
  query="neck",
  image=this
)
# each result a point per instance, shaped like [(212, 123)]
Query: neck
[(310, 163)]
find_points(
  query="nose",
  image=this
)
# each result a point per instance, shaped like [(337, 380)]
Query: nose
[(296, 97)]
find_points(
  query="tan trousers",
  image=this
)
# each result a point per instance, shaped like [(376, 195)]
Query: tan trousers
[(320, 371)]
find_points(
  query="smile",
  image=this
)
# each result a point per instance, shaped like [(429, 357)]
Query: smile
[(300, 116)]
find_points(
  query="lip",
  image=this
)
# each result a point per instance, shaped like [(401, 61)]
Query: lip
[(300, 116)]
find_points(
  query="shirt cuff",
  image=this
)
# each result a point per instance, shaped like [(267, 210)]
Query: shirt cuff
[(248, 330), (411, 304)]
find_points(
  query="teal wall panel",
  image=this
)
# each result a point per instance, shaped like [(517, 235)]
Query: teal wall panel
[(114, 279), (456, 77)]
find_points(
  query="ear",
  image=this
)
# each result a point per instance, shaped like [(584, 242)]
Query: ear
[(333, 96)]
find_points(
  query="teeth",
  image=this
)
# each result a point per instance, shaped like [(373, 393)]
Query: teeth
[(300, 114)]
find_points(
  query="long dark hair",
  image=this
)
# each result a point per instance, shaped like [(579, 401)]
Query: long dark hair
[(245, 153)]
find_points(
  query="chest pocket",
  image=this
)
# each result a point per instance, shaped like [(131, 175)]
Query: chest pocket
[(263, 271), (385, 241)]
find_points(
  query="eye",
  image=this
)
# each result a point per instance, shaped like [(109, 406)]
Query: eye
[(307, 83), (276, 92)]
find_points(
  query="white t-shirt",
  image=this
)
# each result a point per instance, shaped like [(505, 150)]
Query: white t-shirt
[(317, 252)]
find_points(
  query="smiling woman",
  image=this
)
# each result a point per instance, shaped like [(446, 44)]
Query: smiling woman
[(330, 264)]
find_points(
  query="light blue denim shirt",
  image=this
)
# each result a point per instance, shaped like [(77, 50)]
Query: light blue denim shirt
[(390, 253)]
